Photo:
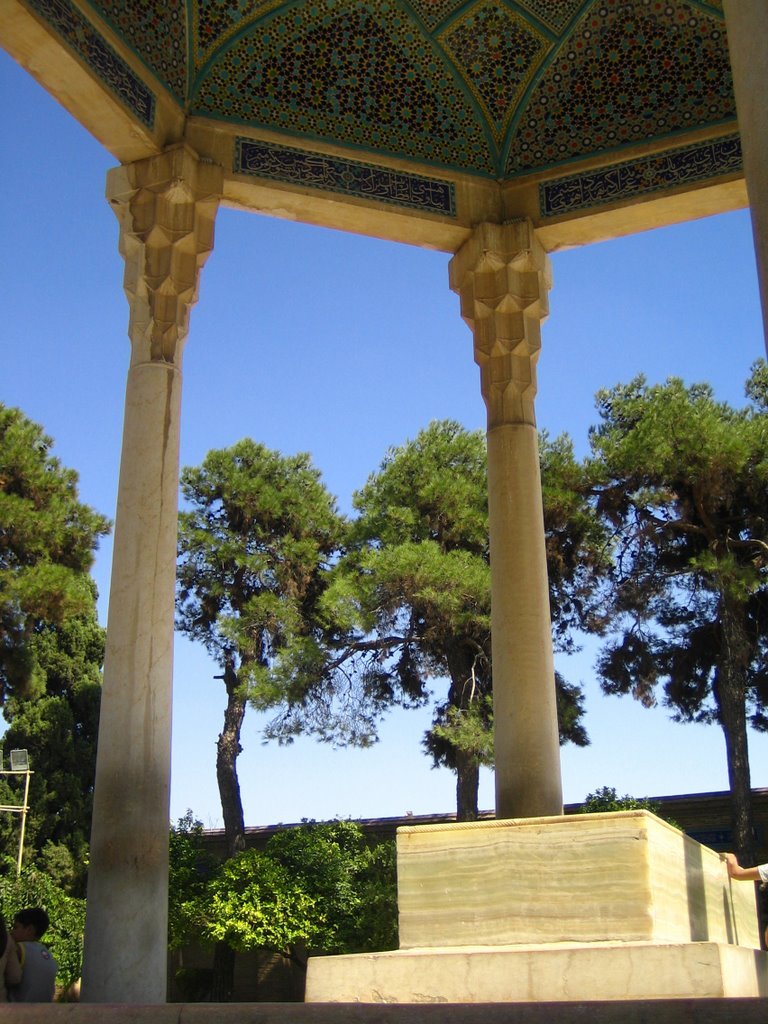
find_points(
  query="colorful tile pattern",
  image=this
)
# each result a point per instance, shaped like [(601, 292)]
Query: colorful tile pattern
[(157, 31), (633, 179), (497, 52), (554, 13), (98, 56), (496, 88), (348, 177), (359, 73), (630, 72), (216, 21), (434, 12)]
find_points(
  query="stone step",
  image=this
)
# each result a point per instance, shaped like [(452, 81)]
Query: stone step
[(654, 1011)]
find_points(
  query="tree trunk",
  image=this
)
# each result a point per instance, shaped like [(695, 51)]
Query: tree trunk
[(733, 721), (223, 980), (227, 750), (461, 693), (467, 786), (730, 694)]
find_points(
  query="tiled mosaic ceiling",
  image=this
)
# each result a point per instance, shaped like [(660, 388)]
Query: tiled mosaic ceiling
[(499, 88)]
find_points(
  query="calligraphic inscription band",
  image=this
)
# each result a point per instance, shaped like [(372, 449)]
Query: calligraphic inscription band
[(349, 177), (86, 43), (626, 181)]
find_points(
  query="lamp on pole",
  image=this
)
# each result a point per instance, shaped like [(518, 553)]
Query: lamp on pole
[(19, 766)]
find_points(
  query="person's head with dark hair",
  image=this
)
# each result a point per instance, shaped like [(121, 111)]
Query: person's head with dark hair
[(30, 924)]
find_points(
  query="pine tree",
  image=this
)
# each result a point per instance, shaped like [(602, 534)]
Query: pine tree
[(51, 645), (682, 481)]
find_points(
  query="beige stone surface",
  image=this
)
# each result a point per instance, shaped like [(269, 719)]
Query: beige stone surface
[(554, 973), (64, 76), (627, 876), (579, 907), (502, 276), (747, 22), (663, 1011), (166, 207)]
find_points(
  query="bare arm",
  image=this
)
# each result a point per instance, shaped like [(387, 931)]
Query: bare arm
[(735, 870), (12, 965)]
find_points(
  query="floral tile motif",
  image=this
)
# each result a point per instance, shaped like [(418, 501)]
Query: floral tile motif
[(630, 72), (497, 52)]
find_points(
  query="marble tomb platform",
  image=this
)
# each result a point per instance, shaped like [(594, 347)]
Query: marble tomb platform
[(578, 907)]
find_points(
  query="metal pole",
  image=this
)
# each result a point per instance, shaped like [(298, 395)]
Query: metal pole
[(24, 810)]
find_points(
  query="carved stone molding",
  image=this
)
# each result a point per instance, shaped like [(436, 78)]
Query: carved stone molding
[(166, 206), (503, 276)]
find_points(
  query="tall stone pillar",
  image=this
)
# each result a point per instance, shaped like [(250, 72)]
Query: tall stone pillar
[(502, 275), (166, 206), (747, 24)]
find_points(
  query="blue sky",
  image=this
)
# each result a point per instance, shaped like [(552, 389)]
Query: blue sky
[(311, 340)]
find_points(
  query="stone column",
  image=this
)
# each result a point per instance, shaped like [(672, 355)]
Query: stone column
[(166, 206), (502, 275), (747, 24)]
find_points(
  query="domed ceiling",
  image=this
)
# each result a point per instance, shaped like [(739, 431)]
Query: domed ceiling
[(499, 89)]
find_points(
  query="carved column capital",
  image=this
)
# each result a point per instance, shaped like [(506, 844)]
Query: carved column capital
[(503, 276), (166, 206)]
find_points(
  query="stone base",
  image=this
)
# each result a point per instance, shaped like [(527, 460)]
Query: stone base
[(621, 877), (550, 973), (578, 908)]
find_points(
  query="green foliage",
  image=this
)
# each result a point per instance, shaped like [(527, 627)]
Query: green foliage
[(430, 488), (606, 799), (682, 481), (468, 729), (413, 588), (257, 533), (65, 935), (51, 646), (376, 923), (190, 870), (577, 545), (254, 903), (46, 549), (320, 887), (410, 599), (59, 728), (414, 571), (254, 546), (352, 883), (570, 709), (255, 540)]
